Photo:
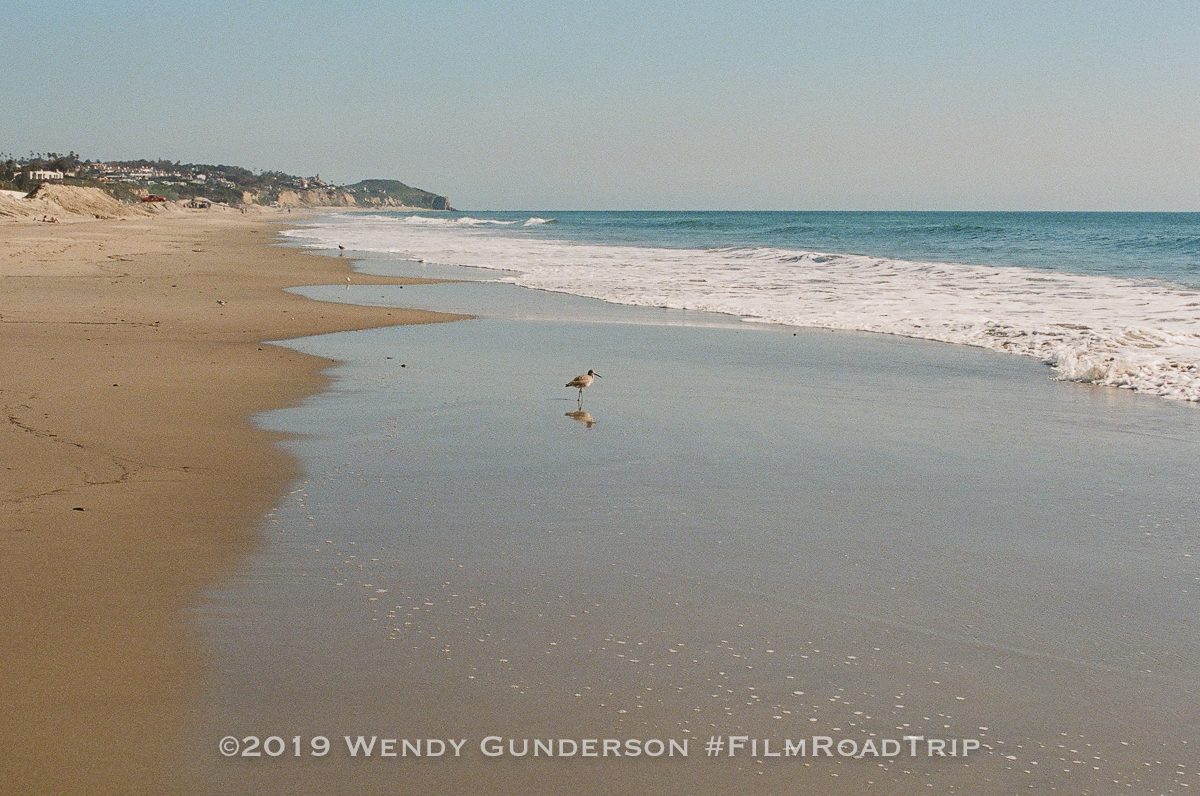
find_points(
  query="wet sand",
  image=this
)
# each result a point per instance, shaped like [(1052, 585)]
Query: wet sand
[(132, 477), (767, 531)]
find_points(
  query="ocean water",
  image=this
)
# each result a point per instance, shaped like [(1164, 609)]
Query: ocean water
[(751, 531), (1105, 298)]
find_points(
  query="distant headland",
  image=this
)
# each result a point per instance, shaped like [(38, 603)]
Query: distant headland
[(134, 180)]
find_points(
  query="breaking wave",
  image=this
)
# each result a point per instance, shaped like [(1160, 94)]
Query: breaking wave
[(1136, 334)]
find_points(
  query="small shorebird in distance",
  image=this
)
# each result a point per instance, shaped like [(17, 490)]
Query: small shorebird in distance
[(580, 382)]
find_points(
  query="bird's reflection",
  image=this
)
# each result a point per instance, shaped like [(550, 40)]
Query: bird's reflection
[(581, 415)]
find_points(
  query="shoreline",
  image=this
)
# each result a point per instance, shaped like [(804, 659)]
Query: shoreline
[(1124, 327), (762, 534), (134, 475)]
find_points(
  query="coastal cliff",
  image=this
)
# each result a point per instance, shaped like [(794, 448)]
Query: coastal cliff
[(129, 181), (367, 193)]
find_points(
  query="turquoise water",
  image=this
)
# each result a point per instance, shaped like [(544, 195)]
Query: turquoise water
[(1105, 298), (1147, 245)]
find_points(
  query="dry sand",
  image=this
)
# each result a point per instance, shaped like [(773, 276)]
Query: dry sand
[(69, 203), (132, 475)]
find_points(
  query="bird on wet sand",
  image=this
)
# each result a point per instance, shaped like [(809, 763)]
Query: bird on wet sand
[(580, 382)]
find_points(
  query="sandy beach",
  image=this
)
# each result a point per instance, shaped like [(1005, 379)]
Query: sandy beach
[(764, 531), (404, 531), (133, 360), (879, 470)]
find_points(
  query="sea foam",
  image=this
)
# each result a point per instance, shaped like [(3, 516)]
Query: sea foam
[(1135, 334)]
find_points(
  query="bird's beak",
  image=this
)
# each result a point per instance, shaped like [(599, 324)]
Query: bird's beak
[(594, 373)]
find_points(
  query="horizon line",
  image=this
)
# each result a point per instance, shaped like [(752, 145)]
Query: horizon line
[(797, 210)]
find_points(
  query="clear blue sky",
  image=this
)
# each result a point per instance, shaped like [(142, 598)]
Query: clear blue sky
[(801, 105)]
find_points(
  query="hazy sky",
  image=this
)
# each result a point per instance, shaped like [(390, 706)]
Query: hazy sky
[(802, 105)]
